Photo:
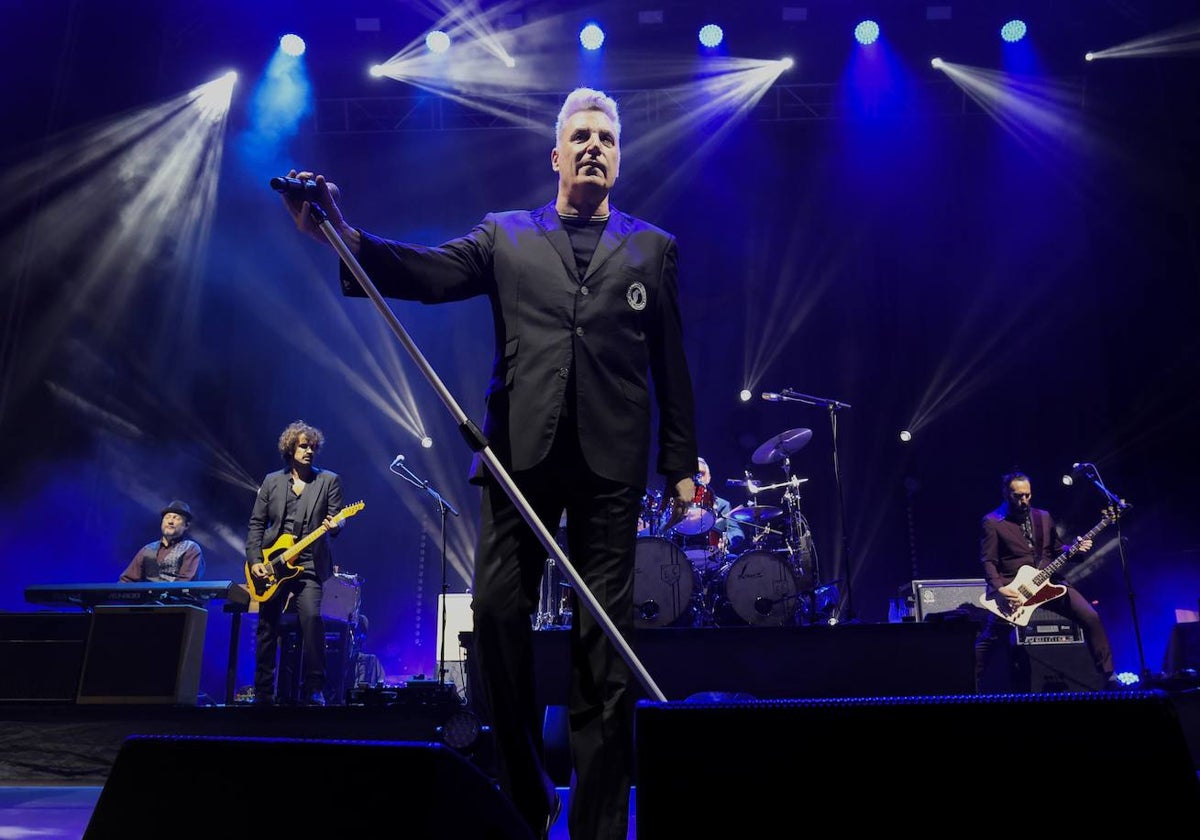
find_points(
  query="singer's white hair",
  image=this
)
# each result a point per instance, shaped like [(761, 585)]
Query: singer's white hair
[(587, 99)]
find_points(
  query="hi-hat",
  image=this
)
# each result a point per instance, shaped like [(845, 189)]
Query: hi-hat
[(755, 513), (782, 445)]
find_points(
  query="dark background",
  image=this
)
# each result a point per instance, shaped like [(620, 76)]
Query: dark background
[(1016, 295)]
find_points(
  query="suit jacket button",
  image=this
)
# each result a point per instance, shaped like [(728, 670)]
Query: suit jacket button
[(579, 331), (584, 290), (562, 373)]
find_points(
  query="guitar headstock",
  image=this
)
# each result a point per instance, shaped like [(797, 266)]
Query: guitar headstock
[(350, 510)]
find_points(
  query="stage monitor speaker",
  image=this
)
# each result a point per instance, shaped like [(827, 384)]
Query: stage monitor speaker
[(789, 766), (281, 787), (41, 655), (144, 654)]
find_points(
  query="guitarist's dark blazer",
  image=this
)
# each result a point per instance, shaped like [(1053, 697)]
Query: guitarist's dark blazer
[(322, 497), (1003, 548), (619, 325)]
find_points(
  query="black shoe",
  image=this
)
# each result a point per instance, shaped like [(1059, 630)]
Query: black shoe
[(1111, 683), (314, 698)]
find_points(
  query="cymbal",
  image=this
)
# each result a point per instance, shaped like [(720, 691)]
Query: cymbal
[(755, 513), (782, 445)]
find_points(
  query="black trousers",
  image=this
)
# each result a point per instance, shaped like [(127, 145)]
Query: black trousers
[(1074, 606), (601, 533), (304, 594)]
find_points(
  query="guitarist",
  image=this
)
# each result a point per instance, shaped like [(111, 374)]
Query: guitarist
[(291, 503), (1017, 534)]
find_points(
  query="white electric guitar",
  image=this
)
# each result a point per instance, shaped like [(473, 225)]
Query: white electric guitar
[(1034, 584)]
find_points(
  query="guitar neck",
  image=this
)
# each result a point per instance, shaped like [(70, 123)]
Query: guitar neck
[(1058, 562), (304, 543)]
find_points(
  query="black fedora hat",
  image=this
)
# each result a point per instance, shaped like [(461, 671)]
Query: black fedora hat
[(178, 507)]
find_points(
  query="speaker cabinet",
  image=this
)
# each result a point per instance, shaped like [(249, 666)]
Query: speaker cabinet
[(283, 787), (957, 595), (41, 655), (144, 654), (789, 766), (340, 663)]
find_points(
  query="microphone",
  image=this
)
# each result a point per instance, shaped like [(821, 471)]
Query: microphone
[(771, 396), (396, 462), (295, 188)]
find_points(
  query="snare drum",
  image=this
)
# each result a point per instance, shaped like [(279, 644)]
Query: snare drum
[(706, 551), (663, 584)]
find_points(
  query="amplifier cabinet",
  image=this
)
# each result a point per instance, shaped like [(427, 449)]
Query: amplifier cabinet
[(931, 597), (144, 654), (41, 655)]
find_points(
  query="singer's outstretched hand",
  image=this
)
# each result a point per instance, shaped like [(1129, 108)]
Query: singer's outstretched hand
[(327, 195)]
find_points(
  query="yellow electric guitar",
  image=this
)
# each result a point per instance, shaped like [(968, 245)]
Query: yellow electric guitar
[(278, 558), (1034, 584)]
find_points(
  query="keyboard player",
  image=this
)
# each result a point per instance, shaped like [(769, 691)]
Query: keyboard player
[(171, 557)]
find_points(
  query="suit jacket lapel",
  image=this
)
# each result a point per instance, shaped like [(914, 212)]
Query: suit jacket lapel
[(547, 219), (614, 235)]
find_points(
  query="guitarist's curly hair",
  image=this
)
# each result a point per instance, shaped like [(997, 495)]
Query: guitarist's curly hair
[(291, 436)]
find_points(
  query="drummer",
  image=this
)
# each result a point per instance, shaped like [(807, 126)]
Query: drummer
[(726, 534)]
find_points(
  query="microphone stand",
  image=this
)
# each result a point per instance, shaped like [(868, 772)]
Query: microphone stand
[(444, 507), (833, 406), (1093, 475), (475, 439)]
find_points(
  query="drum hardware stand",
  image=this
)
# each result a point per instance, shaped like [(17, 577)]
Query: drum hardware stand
[(444, 507), (833, 406), (472, 434)]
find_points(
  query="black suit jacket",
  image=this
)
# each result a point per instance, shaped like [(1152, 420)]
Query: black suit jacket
[(1003, 548), (322, 497), (619, 326)]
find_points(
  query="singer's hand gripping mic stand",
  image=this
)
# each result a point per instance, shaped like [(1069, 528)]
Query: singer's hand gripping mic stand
[(473, 435)]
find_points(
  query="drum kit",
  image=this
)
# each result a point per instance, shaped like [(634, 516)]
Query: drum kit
[(685, 575)]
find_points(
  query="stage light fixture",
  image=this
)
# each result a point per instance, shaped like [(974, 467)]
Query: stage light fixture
[(437, 41), (591, 36), (867, 32), (905, 435), (426, 442), (1013, 31), (936, 64), (744, 395), (711, 35), (292, 45)]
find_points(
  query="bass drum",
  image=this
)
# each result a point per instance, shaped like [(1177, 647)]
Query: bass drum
[(758, 588), (663, 584)]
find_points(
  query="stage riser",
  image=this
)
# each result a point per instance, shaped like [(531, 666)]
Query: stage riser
[(849, 660)]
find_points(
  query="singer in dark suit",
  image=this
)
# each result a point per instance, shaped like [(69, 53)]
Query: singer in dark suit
[(585, 307)]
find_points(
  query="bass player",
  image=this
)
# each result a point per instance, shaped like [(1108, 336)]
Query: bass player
[(1016, 535)]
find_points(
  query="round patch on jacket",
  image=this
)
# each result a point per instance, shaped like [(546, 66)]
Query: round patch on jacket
[(636, 296)]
